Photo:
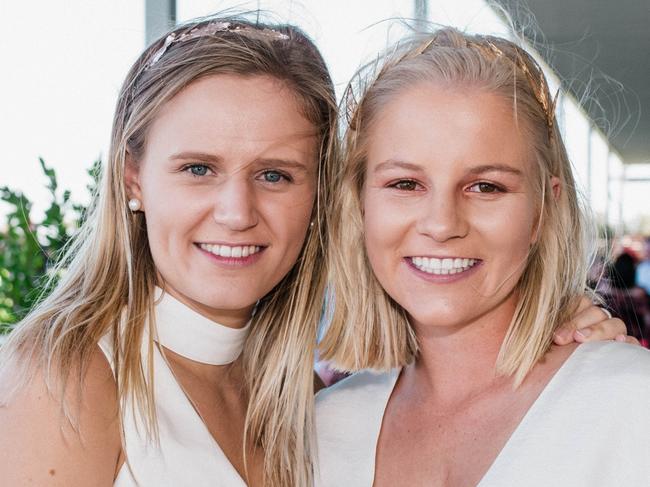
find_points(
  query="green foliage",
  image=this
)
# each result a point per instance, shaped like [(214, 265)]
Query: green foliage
[(28, 248)]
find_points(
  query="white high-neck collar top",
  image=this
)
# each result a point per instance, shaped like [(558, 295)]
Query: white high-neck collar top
[(186, 453), (187, 333)]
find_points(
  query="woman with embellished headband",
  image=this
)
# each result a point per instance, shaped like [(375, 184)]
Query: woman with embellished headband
[(177, 345), (199, 273), (456, 178)]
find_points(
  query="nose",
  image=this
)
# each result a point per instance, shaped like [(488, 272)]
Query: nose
[(235, 205), (442, 217)]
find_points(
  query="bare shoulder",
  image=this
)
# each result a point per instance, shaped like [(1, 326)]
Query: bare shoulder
[(39, 445)]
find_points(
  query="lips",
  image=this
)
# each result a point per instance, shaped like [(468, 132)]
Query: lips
[(443, 266)]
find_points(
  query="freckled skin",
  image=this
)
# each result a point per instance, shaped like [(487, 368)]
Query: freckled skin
[(446, 135)]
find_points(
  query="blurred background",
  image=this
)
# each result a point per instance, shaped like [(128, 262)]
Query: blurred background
[(64, 61)]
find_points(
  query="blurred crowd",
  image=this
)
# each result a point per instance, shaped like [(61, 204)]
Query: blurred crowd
[(623, 281)]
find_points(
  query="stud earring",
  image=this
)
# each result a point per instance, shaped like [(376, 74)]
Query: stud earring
[(134, 204)]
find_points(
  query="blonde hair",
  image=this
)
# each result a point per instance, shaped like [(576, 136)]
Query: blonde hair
[(369, 329), (108, 271)]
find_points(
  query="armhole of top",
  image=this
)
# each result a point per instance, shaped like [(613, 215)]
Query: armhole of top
[(105, 344)]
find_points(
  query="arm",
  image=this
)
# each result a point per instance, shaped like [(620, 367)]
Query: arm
[(40, 447), (591, 323)]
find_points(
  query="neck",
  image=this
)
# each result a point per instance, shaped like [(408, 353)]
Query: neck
[(459, 361), (226, 375)]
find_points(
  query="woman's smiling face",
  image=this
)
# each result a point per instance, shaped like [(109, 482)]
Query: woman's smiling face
[(227, 185), (449, 208)]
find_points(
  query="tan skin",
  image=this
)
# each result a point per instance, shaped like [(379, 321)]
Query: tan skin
[(38, 450), (430, 193)]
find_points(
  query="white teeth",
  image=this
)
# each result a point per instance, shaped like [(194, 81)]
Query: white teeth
[(236, 252), (447, 266)]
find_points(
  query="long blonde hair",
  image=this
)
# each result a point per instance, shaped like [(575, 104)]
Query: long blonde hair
[(368, 328), (108, 271)]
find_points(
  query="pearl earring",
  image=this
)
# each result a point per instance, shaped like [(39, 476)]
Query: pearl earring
[(134, 204)]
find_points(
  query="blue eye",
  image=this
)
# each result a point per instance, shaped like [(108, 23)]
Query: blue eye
[(273, 177), (198, 169)]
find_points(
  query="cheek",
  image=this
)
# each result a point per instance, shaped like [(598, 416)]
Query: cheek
[(507, 233), (289, 216), (173, 212)]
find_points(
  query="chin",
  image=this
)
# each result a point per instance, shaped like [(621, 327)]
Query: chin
[(224, 302), (437, 316)]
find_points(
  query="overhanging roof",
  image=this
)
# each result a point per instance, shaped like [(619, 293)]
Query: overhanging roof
[(601, 50)]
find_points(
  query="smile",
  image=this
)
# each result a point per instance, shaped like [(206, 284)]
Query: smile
[(237, 252), (434, 265)]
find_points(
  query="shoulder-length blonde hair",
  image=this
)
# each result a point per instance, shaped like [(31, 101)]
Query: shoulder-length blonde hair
[(368, 329), (108, 270)]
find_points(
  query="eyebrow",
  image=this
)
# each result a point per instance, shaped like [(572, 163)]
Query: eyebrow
[(286, 163), (496, 168), (392, 163), (199, 156)]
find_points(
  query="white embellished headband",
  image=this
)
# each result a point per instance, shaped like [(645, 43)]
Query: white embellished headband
[(211, 29)]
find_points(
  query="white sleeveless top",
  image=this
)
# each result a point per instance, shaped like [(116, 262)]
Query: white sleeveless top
[(590, 426), (187, 454)]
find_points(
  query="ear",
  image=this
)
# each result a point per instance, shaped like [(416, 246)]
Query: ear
[(556, 187), (132, 178)]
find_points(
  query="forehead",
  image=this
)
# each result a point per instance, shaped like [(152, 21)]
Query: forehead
[(448, 125), (228, 112)]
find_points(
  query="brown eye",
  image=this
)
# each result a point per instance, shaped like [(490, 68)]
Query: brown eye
[(405, 185), (484, 187)]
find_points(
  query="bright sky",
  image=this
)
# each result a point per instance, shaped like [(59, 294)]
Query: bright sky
[(65, 60)]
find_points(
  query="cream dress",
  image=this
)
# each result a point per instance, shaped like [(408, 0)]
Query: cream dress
[(186, 454), (590, 426)]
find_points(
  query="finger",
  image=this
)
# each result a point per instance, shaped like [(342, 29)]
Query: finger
[(588, 314), (563, 335), (605, 330)]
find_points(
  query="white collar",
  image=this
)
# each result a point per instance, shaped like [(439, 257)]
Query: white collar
[(190, 334)]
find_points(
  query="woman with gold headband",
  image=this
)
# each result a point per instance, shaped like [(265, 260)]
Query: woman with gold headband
[(456, 178), (177, 346)]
